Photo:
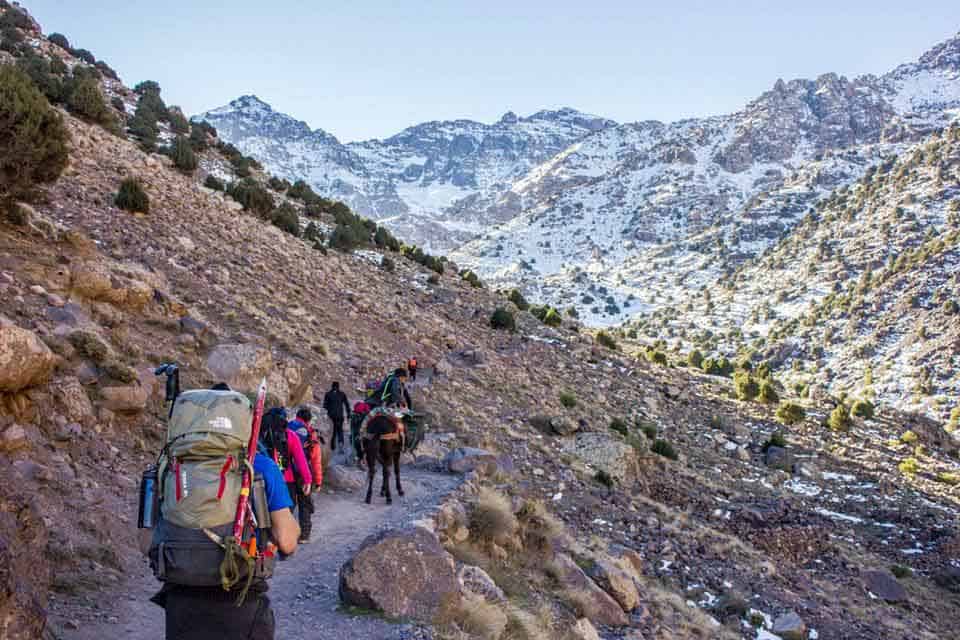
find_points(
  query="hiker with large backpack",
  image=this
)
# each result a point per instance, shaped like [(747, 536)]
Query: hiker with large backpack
[(412, 368), (312, 443), (392, 392), (283, 445), (336, 403), (220, 515)]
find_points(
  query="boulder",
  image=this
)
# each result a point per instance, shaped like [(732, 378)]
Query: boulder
[(121, 287), (25, 361), (778, 458), (466, 459), (583, 629), (948, 577), (411, 558), (790, 626), (13, 438), (476, 581), (338, 476), (131, 399), (553, 425), (607, 453), (613, 579), (594, 602), (883, 585), (73, 401), (242, 366)]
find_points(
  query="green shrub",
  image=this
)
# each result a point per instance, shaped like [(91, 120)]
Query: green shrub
[(117, 103), (89, 346), (768, 393), (745, 386), (552, 319), (87, 101), (664, 448), (901, 572), (254, 198), (947, 477), (312, 232), (572, 313), (183, 156), (909, 437), (604, 478), (862, 409), (106, 70), (60, 40), (517, 298), (472, 278), (215, 183), (40, 72), (839, 419), (620, 426), (776, 440), (789, 413), (85, 55), (132, 197), (649, 429), (178, 122), (604, 339), (568, 400), (33, 138), (954, 422), (657, 357), (277, 184), (503, 319), (695, 358), (143, 125), (302, 191), (388, 264), (286, 218), (909, 466), (346, 237)]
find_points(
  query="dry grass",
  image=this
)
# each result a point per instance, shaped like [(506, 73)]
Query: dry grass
[(492, 519), (582, 602), (472, 618), (539, 528), (522, 625)]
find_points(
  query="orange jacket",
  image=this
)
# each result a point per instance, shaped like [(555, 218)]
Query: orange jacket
[(315, 455)]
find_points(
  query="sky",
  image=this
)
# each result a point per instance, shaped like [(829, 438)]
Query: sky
[(370, 68)]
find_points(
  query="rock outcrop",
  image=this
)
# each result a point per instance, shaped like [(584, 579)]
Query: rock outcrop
[(25, 361)]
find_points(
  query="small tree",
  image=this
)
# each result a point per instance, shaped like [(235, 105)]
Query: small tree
[(213, 182), (839, 419), (33, 138), (604, 339), (517, 298), (862, 409), (87, 101), (745, 386), (790, 414), (695, 359), (768, 393), (178, 122), (132, 197), (568, 400), (503, 319), (552, 319), (60, 40), (183, 156), (285, 217)]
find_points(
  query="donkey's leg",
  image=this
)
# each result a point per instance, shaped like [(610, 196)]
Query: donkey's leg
[(396, 466), (387, 459), (371, 456)]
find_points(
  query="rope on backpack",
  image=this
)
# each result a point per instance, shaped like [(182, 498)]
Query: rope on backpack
[(234, 555)]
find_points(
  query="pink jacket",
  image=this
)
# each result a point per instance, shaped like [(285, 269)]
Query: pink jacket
[(299, 460)]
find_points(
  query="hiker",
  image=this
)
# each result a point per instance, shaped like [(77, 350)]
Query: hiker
[(412, 368), (182, 554), (311, 440), (336, 403), (283, 445), (392, 391)]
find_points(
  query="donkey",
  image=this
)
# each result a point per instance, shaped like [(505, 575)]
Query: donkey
[(382, 438)]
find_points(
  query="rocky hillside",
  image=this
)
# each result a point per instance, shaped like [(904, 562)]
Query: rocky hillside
[(614, 498), (435, 183)]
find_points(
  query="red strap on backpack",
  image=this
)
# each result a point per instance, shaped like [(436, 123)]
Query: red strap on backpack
[(223, 477), (176, 473)]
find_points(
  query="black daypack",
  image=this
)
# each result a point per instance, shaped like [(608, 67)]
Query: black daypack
[(274, 437)]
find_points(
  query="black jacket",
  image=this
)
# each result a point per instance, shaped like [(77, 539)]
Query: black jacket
[(336, 403)]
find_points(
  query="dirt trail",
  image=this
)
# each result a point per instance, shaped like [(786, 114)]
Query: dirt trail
[(304, 590)]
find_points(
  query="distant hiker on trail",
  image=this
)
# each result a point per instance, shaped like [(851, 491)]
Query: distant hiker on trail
[(412, 368), (283, 445), (196, 509), (360, 411), (392, 391), (336, 404), (311, 440)]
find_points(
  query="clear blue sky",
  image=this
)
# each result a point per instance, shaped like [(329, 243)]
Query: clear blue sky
[(362, 69)]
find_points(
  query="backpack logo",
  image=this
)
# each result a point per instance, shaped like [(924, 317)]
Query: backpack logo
[(221, 423)]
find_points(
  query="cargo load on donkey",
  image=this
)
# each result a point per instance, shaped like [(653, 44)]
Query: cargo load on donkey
[(217, 501)]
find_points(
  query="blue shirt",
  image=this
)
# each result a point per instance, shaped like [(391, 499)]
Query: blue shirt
[(278, 497), (299, 427)]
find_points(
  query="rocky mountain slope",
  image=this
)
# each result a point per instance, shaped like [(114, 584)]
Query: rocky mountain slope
[(434, 183), (594, 216), (639, 501)]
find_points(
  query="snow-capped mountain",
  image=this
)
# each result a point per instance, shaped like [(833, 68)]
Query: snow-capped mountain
[(705, 194), (433, 183)]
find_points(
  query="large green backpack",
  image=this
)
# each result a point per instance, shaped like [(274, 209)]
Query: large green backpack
[(200, 477)]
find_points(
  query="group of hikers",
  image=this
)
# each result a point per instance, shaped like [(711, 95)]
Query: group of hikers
[(212, 555)]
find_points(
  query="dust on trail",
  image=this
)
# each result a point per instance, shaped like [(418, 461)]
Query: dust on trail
[(304, 588)]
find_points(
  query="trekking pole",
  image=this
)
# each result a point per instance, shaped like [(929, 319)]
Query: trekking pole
[(251, 454)]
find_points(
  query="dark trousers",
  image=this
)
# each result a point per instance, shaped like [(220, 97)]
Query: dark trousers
[(413, 374), (202, 614), (304, 506), (337, 433)]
